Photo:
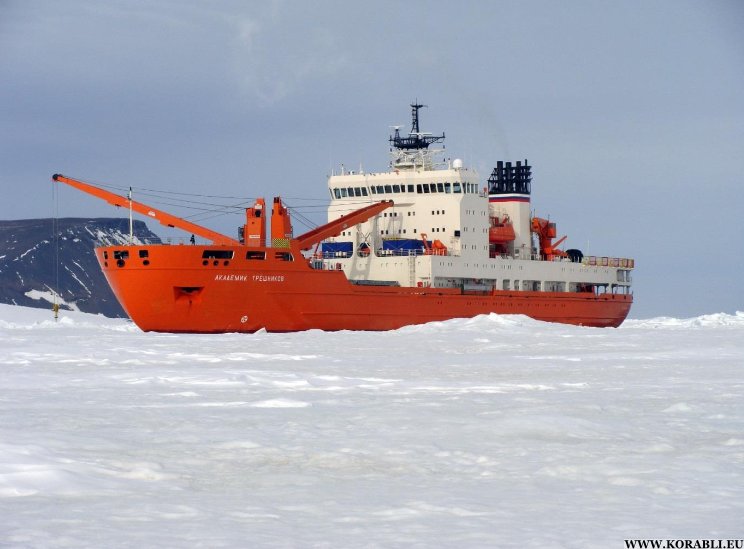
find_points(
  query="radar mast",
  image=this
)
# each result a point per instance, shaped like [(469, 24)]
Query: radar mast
[(413, 151)]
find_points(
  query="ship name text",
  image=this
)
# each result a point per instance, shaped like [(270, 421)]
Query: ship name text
[(244, 278)]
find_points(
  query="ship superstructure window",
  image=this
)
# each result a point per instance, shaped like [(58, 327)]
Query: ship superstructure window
[(373, 189), (364, 191), (440, 187), (410, 188), (447, 188), (217, 254), (121, 254), (144, 253), (433, 187), (380, 190), (396, 188), (426, 188), (388, 188), (283, 256), (351, 191), (456, 188), (255, 255), (343, 193)]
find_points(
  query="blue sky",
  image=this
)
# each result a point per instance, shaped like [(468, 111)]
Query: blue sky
[(632, 113)]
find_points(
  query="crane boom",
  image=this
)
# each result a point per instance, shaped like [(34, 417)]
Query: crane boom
[(334, 228), (163, 218)]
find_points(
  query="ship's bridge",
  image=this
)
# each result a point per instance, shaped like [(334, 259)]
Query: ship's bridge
[(445, 205), (433, 196)]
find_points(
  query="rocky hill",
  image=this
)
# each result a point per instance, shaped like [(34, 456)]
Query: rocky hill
[(27, 264)]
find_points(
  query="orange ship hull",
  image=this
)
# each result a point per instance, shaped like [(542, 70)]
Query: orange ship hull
[(174, 289)]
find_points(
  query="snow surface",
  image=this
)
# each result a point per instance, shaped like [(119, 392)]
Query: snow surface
[(48, 296), (498, 431)]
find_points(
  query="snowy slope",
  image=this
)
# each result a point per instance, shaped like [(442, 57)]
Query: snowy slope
[(486, 432), (27, 259)]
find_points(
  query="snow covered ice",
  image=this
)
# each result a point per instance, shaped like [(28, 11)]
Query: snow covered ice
[(497, 431)]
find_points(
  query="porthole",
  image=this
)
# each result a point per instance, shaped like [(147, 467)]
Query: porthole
[(120, 263), (146, 262), (205, 263)]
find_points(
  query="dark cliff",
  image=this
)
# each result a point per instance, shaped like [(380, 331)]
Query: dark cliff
[(27, 264)]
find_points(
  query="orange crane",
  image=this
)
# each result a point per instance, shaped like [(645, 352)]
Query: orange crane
[(254, 231), (163, 218), (334, 228), (545, 231)]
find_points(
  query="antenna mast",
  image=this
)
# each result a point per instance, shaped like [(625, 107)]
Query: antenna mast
[(412, 152)]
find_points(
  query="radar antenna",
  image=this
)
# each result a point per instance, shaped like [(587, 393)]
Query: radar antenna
[(416, 139)]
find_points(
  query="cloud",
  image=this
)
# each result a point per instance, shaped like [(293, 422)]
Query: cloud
[(275, 57)]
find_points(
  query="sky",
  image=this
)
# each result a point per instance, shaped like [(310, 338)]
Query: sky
[(631, 113)]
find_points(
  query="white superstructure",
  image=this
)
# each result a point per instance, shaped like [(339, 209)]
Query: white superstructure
[(447, 203)]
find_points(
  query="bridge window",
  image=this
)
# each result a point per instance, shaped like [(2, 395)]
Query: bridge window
[(357, 191), (337, 193), (447, 188), (426, 188), (433, 187), (379, 189), (343, 193), (419, 189), (396, 188), (388, 188), (374, 191), (456, 188), (364, 191), (440, 187), (410, 188)]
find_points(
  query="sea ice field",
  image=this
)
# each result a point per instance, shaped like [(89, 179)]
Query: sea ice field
[(497, 431)]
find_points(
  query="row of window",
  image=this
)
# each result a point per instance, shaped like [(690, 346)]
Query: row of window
[(421, 188), (433, 229)]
